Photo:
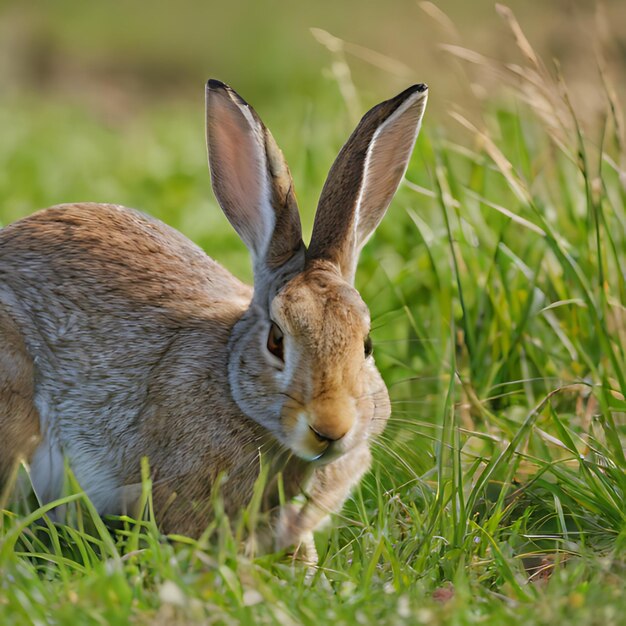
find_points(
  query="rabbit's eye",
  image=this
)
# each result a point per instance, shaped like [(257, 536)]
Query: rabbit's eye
[(275, 342), (368, 347)]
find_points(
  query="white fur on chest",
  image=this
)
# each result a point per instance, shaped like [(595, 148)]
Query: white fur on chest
[(47, 468)]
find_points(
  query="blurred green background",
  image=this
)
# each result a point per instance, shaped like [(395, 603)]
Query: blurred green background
[(115, 90), (117, 54)]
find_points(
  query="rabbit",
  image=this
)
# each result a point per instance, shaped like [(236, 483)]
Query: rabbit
[(121, 339)]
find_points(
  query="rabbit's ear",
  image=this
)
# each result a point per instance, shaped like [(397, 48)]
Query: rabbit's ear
[(251, 180), (364, 178)]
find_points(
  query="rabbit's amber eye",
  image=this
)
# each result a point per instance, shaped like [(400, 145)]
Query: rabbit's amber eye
[(368, 347), (275, 342)]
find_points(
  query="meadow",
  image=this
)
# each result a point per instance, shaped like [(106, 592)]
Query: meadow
[(497, 287)]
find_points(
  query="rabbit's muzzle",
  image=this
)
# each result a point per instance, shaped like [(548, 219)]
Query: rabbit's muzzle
[(322, 428)]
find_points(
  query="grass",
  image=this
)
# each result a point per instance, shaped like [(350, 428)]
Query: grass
[(497, 289)]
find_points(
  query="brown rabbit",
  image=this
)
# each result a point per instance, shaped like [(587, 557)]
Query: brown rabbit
[(119, 338)]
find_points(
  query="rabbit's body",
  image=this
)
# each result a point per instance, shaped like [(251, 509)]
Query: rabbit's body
[(122, 339), (68, 276)]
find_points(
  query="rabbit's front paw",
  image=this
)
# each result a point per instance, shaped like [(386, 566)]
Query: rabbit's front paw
[(293, 537)]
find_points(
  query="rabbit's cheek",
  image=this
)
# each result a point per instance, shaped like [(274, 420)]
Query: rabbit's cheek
[(380, 410)]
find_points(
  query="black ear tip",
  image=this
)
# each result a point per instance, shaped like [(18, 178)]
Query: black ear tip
[(416, 92), (413, 89), (214, 84), (217, 85)]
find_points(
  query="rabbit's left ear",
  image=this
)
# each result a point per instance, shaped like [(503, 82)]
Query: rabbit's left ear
[(364, 178), (251, 180)]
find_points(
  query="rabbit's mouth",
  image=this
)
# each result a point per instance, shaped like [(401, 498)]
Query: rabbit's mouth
[(308, 441)]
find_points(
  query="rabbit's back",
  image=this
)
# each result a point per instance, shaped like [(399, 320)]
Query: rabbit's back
[(103, 252), (125, 320)]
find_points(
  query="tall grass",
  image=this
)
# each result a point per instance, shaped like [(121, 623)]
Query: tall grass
[(497, 288)]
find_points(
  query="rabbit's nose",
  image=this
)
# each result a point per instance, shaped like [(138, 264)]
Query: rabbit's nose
[(332, 419), (323, 438)]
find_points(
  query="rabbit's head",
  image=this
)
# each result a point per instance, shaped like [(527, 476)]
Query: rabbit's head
[(300, 360)]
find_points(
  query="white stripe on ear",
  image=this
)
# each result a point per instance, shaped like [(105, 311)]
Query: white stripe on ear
[(390, 150), (364, 178)]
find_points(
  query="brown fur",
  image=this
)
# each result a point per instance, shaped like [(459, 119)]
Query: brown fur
[(330, 321), (19, 421)]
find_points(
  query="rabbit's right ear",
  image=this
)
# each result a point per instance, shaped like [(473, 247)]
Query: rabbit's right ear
[(251, 180), (364, 178)]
